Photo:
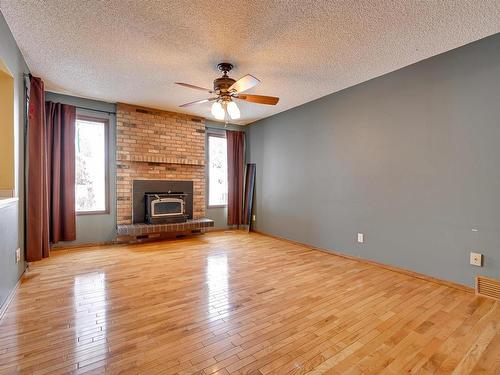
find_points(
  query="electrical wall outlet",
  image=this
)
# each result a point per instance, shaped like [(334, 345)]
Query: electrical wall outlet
[(18, 255), (254, 218), (476, 259), (361, 238)]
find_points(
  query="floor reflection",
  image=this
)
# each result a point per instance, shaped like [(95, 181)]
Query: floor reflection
[(217, 280), (90, 316)]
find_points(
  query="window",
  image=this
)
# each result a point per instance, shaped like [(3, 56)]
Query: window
[(91, 170), (217, 170)]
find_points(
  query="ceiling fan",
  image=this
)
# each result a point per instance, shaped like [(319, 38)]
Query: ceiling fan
[(226, 90)]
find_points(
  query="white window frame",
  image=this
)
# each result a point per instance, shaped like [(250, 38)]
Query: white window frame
[(218, 135), (105, 122)]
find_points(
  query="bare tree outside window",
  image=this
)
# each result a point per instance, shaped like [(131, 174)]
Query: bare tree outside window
[(90, 149), (217, 171)]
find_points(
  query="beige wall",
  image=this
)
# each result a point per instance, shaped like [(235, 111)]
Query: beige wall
[(6, 129)]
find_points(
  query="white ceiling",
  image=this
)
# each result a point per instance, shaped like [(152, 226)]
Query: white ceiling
[(134, 51)]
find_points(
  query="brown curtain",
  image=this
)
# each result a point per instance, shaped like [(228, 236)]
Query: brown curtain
[(37, 216), (60, 124), (51, 173), (235, 170)]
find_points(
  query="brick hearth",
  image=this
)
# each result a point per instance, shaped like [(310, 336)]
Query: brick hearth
[(156, 145), (144, 229)]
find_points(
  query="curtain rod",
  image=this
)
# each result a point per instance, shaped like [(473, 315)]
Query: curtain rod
[(222, 127), (25, 75), (215, 127), (96, 110)]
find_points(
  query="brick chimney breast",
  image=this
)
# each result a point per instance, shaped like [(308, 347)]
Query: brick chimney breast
[(153, 145)]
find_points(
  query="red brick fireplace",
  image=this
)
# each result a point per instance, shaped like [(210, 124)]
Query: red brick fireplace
[(158, 145)]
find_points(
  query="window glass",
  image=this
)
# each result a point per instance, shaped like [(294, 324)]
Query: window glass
[(90, 149), (217, 171)]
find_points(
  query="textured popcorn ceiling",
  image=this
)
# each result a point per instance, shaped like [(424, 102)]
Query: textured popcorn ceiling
[(134, 51)]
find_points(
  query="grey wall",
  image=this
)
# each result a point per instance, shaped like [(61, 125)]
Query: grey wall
[(218, 214), (411, 159), (12, 217), (98, 228)]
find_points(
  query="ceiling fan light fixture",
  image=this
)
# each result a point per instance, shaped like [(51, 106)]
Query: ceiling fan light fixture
[(218, 111), (226, 89), (233, 110)]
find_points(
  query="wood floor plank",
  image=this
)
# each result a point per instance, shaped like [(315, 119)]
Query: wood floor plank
[(239, 303)]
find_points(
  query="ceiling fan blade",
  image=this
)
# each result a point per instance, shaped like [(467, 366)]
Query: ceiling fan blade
[(198, 102), (244, 83), (260, 99), (193, 87)]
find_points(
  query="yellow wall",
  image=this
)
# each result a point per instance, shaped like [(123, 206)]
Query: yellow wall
[(6, 129)]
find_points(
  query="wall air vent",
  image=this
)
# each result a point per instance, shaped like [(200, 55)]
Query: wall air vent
[(487, 287), (147, 111)]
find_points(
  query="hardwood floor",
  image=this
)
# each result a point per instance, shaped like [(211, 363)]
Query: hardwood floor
[(233, 302)]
